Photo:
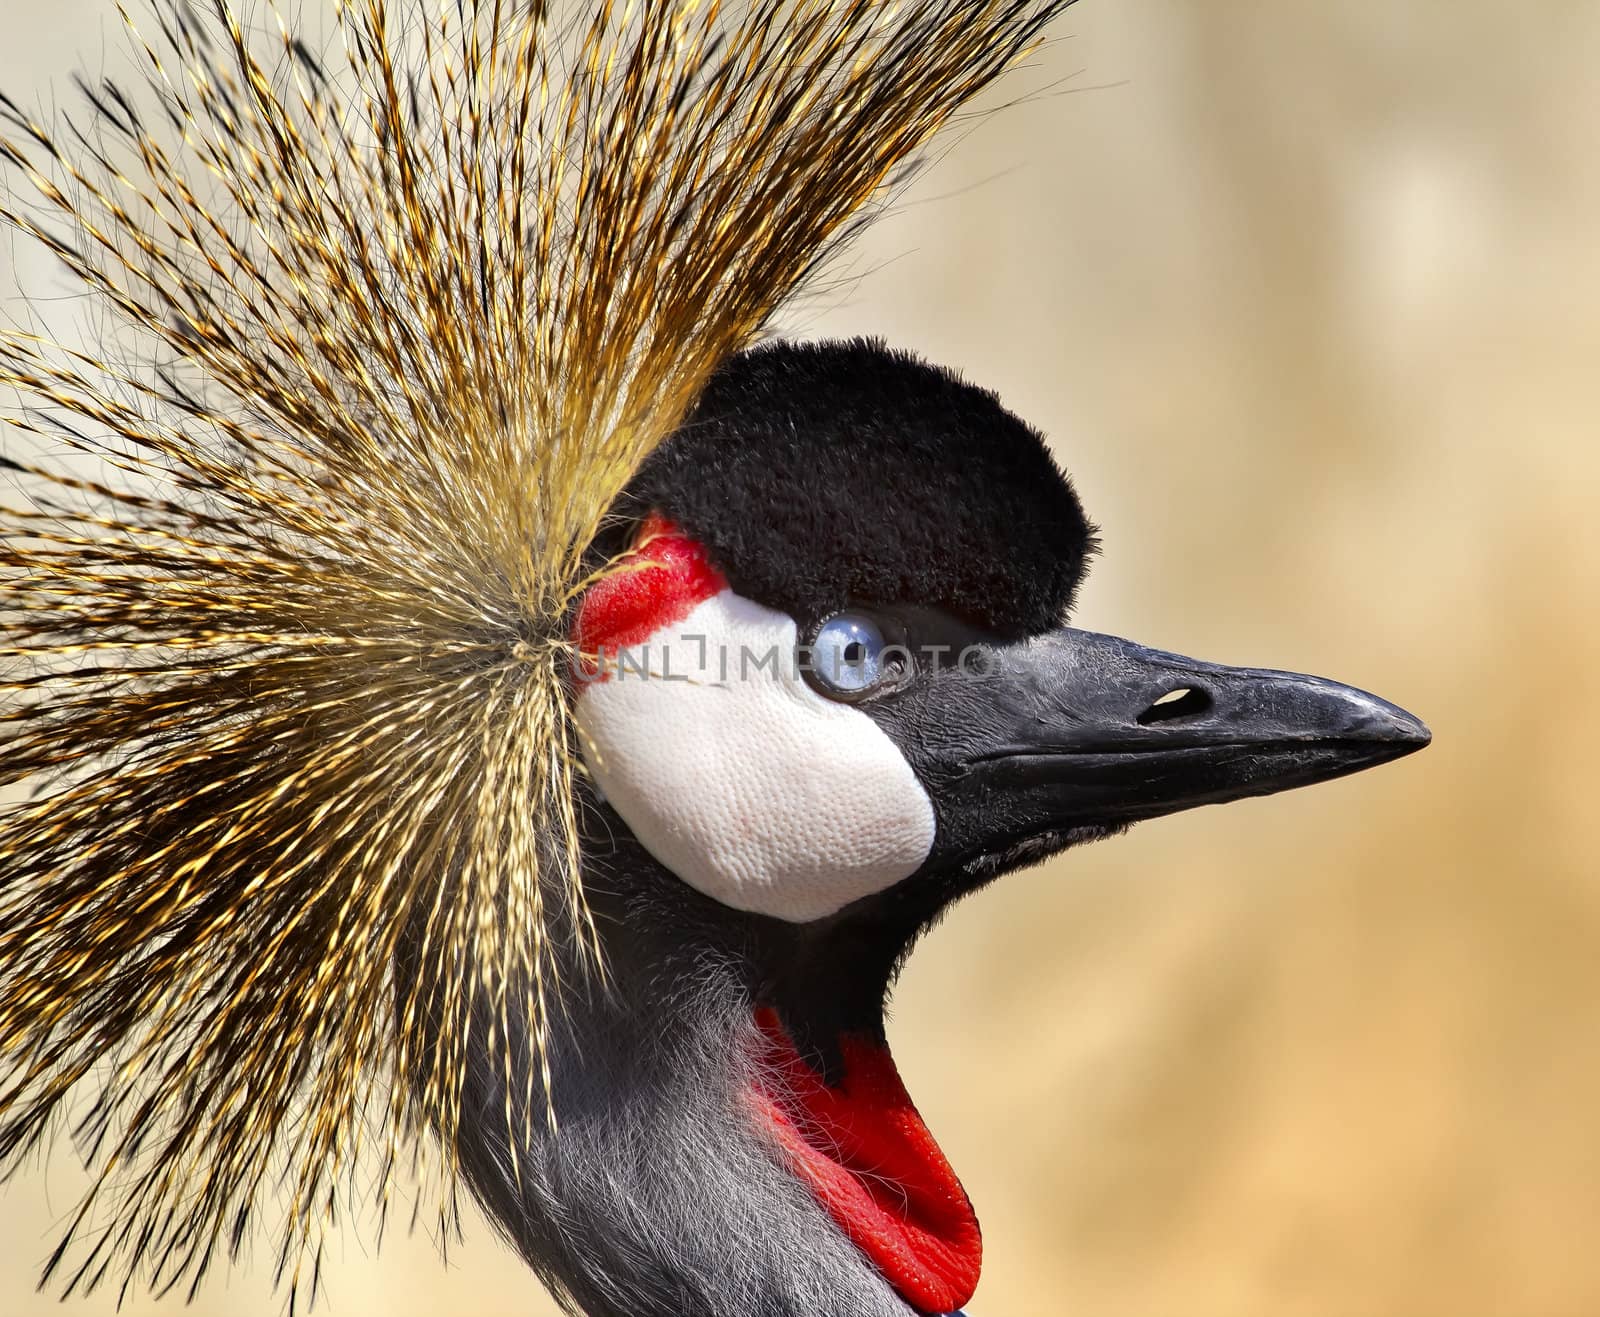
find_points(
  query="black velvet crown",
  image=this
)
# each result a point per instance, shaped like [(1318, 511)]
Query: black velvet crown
[(826, 475)]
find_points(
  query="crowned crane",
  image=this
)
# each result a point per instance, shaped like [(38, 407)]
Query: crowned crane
[(836, 694), (487, 699)]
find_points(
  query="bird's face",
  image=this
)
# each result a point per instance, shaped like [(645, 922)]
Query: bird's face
[(834, 658), (832, 688)]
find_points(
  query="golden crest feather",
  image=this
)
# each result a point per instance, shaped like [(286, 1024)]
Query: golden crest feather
[(283, 600)]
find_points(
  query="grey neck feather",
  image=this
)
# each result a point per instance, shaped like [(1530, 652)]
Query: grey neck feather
[(658, 1196)]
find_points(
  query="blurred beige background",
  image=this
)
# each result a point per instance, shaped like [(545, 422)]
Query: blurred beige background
[(1308, 297)]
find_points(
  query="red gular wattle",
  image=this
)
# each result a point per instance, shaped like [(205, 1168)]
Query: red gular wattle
[(863, 1150)]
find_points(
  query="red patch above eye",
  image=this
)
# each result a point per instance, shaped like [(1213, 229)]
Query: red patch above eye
[(661, 581), (863, 1150)]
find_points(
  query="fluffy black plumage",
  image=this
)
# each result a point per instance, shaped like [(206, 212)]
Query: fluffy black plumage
[(824, 475)]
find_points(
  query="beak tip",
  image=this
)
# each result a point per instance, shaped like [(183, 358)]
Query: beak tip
[(1404, 731), (1369, 720), (1419, 736)]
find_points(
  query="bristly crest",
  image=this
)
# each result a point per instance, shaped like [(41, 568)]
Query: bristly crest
[(283, 614)]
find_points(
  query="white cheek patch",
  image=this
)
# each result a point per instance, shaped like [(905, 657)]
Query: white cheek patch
[(743, 780)]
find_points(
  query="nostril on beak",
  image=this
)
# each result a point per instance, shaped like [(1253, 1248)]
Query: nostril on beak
[(1175, 705)]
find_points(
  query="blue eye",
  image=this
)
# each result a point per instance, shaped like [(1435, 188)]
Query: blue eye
[(849, 654)]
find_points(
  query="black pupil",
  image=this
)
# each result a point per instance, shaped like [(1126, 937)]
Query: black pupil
[(855, 652)]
